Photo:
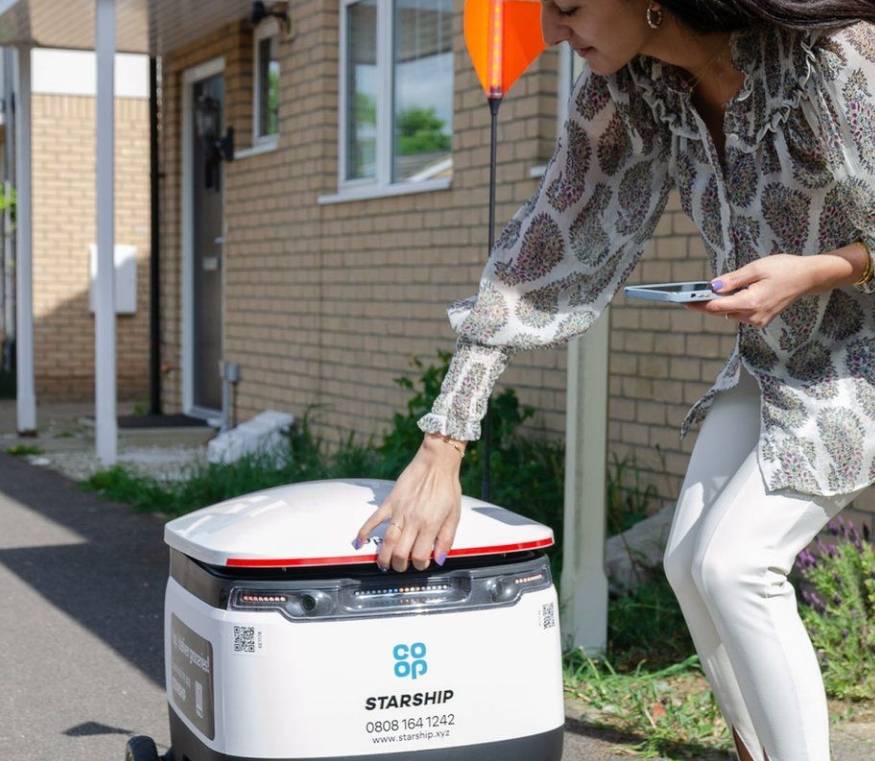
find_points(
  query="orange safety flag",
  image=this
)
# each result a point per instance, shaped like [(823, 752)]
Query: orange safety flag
[(503, 37)]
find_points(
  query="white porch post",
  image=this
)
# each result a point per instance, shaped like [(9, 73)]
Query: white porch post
[(584, 604), (104, 323), (26, 394)]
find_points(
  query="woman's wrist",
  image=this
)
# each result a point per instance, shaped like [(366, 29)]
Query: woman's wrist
[(839, 268), (444, 447)]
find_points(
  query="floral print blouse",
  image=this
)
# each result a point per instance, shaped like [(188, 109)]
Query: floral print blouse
[(797, 177)]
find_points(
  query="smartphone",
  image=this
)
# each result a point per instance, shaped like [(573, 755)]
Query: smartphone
[(676, 292)]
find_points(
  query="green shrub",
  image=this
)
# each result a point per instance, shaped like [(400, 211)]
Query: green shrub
[(837, 591), (20, 450), (647, 625), (626, 505)]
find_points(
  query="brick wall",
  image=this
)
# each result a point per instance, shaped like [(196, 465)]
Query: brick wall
[(327, 303), (63, 227)]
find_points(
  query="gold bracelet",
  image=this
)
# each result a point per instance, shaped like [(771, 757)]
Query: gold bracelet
[(460, 449), (869, 271)]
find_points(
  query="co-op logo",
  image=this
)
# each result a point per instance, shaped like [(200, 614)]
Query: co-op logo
[(410, 660)]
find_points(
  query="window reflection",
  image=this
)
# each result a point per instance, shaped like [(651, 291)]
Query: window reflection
[(361, 88), (423, 98), (268, 86)]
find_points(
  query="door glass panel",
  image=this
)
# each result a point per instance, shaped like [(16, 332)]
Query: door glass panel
[(207, 252)]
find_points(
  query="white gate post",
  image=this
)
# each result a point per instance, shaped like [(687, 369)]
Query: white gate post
[(584, 584), (105, 424), (24, 354)]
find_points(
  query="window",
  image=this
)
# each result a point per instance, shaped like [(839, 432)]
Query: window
[(396, 110), (266, 86)]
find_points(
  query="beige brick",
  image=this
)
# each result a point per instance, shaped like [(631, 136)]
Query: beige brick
[(669, 343), (640, 342), (651, 412), (634, 433), (681, 224), (623, 409), (703, 346), (674, 247), (685, 369), (654, 367)]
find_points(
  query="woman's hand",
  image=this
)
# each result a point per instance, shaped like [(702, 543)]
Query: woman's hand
[(769, 286), (423, 509)]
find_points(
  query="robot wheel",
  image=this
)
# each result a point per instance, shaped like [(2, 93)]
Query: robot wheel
[(141, 748)]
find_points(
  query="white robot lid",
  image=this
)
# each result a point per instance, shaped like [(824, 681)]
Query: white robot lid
[(313, 524)]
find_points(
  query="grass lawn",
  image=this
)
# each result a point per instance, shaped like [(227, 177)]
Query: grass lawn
[(668, 712)]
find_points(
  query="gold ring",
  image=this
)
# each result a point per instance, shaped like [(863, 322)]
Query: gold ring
[(396, 525)]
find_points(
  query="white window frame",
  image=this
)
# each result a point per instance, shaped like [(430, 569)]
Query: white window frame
[(568, 61), (566, 82), (381, 185), (260, 143)]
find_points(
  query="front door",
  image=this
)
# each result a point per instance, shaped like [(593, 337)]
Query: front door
[(207, 239)]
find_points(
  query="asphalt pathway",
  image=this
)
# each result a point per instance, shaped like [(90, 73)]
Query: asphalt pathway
[(81, 654), (81, 627)]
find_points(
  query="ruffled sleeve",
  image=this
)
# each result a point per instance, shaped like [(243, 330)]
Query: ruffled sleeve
[(845, 109), (562, 256)]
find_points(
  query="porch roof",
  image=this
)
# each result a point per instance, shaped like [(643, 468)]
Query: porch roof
[(143, 26)]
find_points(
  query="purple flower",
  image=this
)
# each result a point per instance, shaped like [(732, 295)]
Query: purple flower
[(813, 601), (807, 559)]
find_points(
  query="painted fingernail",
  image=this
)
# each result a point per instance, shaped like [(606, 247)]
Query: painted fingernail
[(716, 285), (442, 556), (382, 568), (356, 543)]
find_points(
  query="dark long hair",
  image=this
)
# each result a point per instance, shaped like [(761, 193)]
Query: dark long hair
[(728, 15)]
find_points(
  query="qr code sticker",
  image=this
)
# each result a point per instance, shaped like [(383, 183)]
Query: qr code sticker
[(548, 615), (244, 639)]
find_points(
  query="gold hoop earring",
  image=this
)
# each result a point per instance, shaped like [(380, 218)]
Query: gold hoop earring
[(654, 17)]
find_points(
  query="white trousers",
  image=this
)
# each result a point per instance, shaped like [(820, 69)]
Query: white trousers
[(729, 551)]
